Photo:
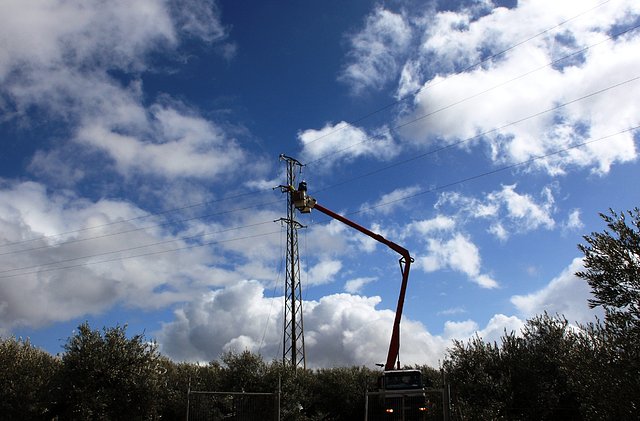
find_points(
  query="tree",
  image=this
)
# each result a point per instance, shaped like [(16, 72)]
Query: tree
[(475, 373), (612, 266), (525, 377), (27, 380), (339, 393), (612, 269), (109, 376)]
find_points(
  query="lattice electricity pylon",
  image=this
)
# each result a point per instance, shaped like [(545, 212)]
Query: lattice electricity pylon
[(293, 327)]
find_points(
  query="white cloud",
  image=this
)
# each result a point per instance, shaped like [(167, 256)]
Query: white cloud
[(523, 210), (179, 145), (507, 210), (72, 33), (236, 318), (455, 40), (457, 330), (499, 231), (497, 326), (98, 239), (574, 223), (58, 58), (376, 51), (344, 142), (324, 272), (340, 329), (566, 294), (438, 224), (458, 254), (389, 202), (354, 286), (452, 311), (344, 329)]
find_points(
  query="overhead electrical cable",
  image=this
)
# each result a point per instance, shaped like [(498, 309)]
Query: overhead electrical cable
[(453, 104), (275, 287), (136, 218), (191, 237), (462, 141), (484, 174), (406, 197), (111, 234), (457, 73), (318, 159), (116, 259), (398, 163)]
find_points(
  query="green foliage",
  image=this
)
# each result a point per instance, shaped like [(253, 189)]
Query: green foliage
[(339, 393), (243, 372), (612, 348), (612, 266), (556, 371), (526, 377), (109, 376), (26, 380)]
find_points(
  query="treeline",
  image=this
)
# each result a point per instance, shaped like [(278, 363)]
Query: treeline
[(552, 370), (103, 375)]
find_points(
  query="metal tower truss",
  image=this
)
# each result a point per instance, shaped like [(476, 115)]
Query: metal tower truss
[(293, 354)]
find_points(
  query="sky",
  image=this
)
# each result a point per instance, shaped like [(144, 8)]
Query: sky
[(140, 152)]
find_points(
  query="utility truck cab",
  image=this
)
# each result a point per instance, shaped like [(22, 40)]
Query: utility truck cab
[(401, 395)]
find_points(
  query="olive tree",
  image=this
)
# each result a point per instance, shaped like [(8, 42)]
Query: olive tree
[(106, 375), (611, 384), (612, 266), (26, 380)]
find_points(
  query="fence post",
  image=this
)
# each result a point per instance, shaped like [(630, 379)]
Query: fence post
[(188, 396)]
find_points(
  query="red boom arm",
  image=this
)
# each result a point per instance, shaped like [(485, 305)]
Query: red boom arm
[(305, 203)]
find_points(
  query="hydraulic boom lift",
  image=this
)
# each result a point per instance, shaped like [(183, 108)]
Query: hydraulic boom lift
[(401, 391)]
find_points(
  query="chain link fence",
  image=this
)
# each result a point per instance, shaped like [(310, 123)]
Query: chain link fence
[(232, 406)]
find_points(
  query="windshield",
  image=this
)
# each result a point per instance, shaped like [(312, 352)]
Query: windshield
[(403, 380)]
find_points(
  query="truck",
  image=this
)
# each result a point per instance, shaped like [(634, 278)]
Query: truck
[(400, 393)]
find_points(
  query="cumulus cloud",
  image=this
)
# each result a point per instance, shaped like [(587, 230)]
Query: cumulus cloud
[(457, 253), (573, 222), (64, 256), (389, 202), (340, 329), (60, 59), (522, 82), (172, 144), (439, 223), (90, 36), (507, 210), (566, 294), (324, 272), (345, 329), (345, 142), (354, 286), (235, 319), (376, 50)]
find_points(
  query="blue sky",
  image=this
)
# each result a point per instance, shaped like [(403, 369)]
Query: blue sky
[(140, 146)]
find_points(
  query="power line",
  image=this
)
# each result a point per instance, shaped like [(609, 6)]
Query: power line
[(488, 173), (343, 182), (419, 193), (398, 163), (451, 145), (136, 218), (459, 72), (116, 259), (177, 209), (79, 240), (192, 237)]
